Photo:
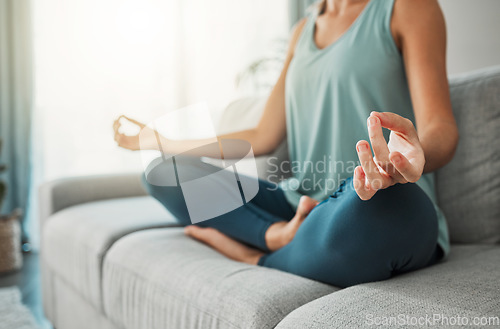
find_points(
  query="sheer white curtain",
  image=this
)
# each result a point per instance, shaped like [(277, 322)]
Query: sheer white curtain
[(97, 59), (15, 104)]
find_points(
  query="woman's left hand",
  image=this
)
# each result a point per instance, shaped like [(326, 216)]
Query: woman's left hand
[(401, 160)]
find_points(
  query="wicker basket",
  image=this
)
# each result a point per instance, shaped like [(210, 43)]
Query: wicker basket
[(11, 258)]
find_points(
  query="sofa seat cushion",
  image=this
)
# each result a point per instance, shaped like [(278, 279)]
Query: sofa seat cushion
[(467, 285), (163, 279), (74, 240)]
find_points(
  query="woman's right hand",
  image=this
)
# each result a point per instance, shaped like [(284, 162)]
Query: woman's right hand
[(145, 139)]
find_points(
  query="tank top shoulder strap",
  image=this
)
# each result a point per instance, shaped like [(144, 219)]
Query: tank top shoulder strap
[(382, 10), (373, 21), (376, 22), (307, 32)]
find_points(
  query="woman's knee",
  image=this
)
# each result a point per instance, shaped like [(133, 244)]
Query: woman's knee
[(357, 241), (398, 226), (171, 197), (146, 184), (154, 187), (341, 264), (399, 209)]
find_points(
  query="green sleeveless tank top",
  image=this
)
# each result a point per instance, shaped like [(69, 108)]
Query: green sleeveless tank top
[(329, 95)]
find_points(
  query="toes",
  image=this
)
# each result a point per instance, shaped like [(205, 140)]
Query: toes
[(224, 244), (206, 235), (190, 230), (196, 232)]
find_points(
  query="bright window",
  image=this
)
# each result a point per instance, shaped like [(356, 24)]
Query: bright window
[(95, 60)]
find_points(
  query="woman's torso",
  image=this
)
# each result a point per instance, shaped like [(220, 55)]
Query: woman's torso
[(330, 93)]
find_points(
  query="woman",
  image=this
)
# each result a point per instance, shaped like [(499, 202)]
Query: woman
[(349, 61)]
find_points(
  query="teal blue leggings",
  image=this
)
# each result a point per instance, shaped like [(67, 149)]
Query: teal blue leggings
[(343, 241)]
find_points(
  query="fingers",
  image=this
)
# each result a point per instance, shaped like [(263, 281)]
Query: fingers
[(140, 124), (119, 138), (374, 179), (116, 125), (377, 139), (409, 172), (381, 149), (378, 143), (359, 182), (396, 123)]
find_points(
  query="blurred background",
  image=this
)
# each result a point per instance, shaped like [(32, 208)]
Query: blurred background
[(68, 68)]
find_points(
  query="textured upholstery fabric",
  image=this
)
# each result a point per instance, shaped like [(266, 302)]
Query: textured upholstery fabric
[(469, 186), (74, 311), (160, 278), (76, 238), (63, 193), (468, 284)]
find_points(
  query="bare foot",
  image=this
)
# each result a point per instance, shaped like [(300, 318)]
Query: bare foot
[(224, 244), (280, 234)]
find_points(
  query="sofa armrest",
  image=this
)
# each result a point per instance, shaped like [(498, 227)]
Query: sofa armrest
[(63, 193)]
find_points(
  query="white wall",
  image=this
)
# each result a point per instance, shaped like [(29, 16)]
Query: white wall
[(473, 33)]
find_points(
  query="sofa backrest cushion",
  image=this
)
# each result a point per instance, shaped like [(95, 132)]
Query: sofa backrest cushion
[(245, 113), (469, 186)]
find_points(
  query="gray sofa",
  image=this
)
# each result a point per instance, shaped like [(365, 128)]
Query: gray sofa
[(112, 257)]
